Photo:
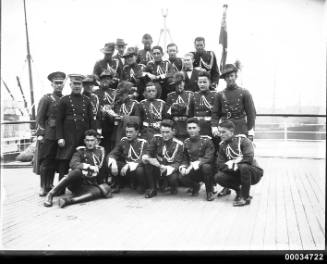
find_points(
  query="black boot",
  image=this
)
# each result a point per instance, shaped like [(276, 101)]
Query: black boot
[(78, 199), (225, 191), (196, 189), (43, 191), (49, 180), (150, 193), (61, 185), (62, 191), (210, 196)]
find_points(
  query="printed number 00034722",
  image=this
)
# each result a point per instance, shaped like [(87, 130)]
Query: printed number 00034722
[(306, 256)]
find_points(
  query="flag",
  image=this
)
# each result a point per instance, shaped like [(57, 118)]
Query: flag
[(223, 39)]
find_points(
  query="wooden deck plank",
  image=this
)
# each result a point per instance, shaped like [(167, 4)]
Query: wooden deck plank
[(128, 221)]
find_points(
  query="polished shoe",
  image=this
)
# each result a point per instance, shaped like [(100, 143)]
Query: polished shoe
[(242, 202), (210, 196), (224, 192), (140, 190), (63, 202), (43, 192), (116, 189), (196, 189), (150, 193), (238, 196), (48, 200), (189, 190)]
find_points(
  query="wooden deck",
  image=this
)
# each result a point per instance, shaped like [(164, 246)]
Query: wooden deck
[(287, 212)]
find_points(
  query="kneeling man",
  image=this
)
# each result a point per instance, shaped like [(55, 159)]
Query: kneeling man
[(84, 179), (162, 159), (125, 160), (198, 159), (237, 168)]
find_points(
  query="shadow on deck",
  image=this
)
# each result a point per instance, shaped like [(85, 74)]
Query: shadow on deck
[(287, 212)]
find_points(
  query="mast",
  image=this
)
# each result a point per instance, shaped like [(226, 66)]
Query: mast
[(32, 116)]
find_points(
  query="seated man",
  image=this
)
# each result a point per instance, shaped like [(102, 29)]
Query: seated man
[(152, 111), (162, 159), (180, 105), (197, 161), (84, 179), (124, 161), (237, 168)]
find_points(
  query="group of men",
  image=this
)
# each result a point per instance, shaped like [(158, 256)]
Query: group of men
[(152, 125)]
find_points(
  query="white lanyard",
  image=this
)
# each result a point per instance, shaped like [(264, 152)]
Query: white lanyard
[(132, 152)]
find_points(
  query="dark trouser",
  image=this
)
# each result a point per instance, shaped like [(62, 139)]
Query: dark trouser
[(107, 126), (47, 154), (152, 177), (245, 176), (81, 191), (135, 178), (204, 174)]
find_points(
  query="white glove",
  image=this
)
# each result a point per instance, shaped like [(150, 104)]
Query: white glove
[(230, 164), (162, 76), (114, 168), (132, 165), (145, 159), (61, 142), (40, 138), (95, 169), (170, 170), (215, 131), (163, 168), (182, 170), (196, 164), (124, 170)]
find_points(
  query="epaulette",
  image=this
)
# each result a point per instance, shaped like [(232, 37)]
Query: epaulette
[(133, 100), (123, 138), (170, 93), (221, 142), (143, 100), (240, 135), (160, 100), (186, 140), (141, 139), (99, 147), (157, 135), (177, 141), (125, 66), (81, 148), (205, 137)]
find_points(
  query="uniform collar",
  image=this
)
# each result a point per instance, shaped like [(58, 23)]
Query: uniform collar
[(57, 94), (195, 139), (234, 87)]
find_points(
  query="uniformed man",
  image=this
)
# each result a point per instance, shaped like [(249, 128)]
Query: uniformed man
[(133, 72), (74, 117), (83, 180), (162, 160), (88, 90), (176, 62), (120, 47), (203, 103), (126, 109), (198, 159), (107, 97), (46, 131), (191, 74), (233, 103), (237, 168), (125, 160), (180, 106), (160, 72), (109, 63), (206, 60), (145, 55), (152, 112)]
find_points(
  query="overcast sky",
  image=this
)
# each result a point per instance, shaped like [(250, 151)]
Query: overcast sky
[(281, 44)]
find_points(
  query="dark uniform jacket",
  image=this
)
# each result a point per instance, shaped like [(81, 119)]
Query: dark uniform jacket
[(129, 151), (93, 157), (207, 61), (177, 64), (167, 152), (191, 83), (107, 98), (237, 105), (113, 65), (144, 56), (134, 74), (74, 117), (199, 148), (46, 116), (238, 147), (180, 107), (95, 104), (161, 67), (203, 103), (152, 111)]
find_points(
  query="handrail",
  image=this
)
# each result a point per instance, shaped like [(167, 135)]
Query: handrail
[(274, 115)]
